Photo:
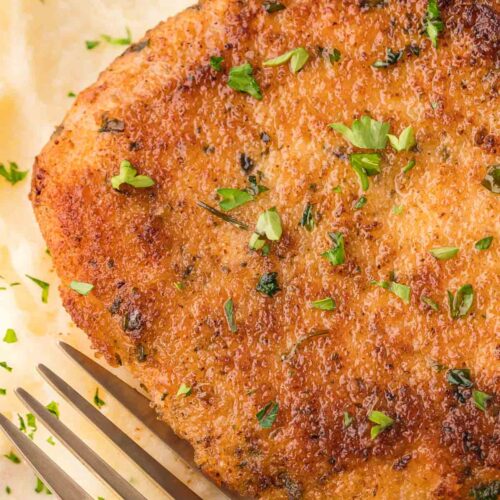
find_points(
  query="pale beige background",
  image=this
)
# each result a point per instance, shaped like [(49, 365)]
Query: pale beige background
[(42, 58)]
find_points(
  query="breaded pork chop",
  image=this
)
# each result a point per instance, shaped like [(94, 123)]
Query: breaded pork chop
[(307, 346)]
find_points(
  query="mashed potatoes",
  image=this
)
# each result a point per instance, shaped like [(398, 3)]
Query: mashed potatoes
[(44, 58)]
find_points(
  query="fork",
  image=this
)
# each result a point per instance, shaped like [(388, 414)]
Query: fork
[(61, 483)]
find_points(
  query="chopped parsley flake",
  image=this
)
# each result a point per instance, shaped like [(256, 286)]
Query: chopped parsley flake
[(81, 288), (491, 180), (216, 63), (484, 244), (334, 56), (433, 23), (401, 291), (268, 284), (268, 225), (327, 304), (40, 487), (92, 44), (360, 203), (397, 209), (43, 285), (461, 302), (365, 165), (13, 175), (391, 58), (459, 376), (429, 302), (267, 415), (3, 391), (10, 336), (297, 57), (233, 198), (347, 420), (272, 6), (364, 133), (481, 399), (184, 390), (444, 253), (336, 254), (13, 458), (5, 366), (307, 220), (97, 400), (51, 441), (241, 79), (404, 142), (229, 312), (119, 41), (382, 420), (53, 408), (409, 166), (128, 175), (489, 491)]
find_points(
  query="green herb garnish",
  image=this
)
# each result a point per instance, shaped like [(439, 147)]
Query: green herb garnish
[(5, 366), (327, 304), (128, 175), (404, 142), (71, 94), (444, 253), (268, 225), (365, 165), (364, 133), (336, 254), (429, 302), (229, 312), (53, 408), (43, 285), (459, 376), (409, 166), (233, 198), (334, 56), (119, 41), (13, 458), (297, 57), (433, 23), (397, 209), (491, 180), (10, 336), (97, 400), (346, 420), (461, 303), (490, 491), (267, 415), (216, 63), (184, 390), (268, 284), (382, 420), (401, 291), (241, 79), (3, 391), (483, 244), (286, 356), (81, 288), (391, 58), (13, 175), (307, 220), (481, 399), (273, 6), (92, 44), (360, 203)]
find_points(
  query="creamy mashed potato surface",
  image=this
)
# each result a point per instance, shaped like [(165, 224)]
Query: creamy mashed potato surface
[(43, 58)]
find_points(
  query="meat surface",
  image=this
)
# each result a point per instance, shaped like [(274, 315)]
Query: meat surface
[(163, 267)]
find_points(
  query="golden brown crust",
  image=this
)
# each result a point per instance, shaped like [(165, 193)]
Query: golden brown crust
[(177, 121)]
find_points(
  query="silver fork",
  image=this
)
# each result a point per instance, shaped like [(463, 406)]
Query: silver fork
[(58, 481)]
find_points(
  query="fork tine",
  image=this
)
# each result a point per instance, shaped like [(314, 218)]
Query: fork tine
[(79, 448), (135, 402), (58, 481), (154, 469)]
